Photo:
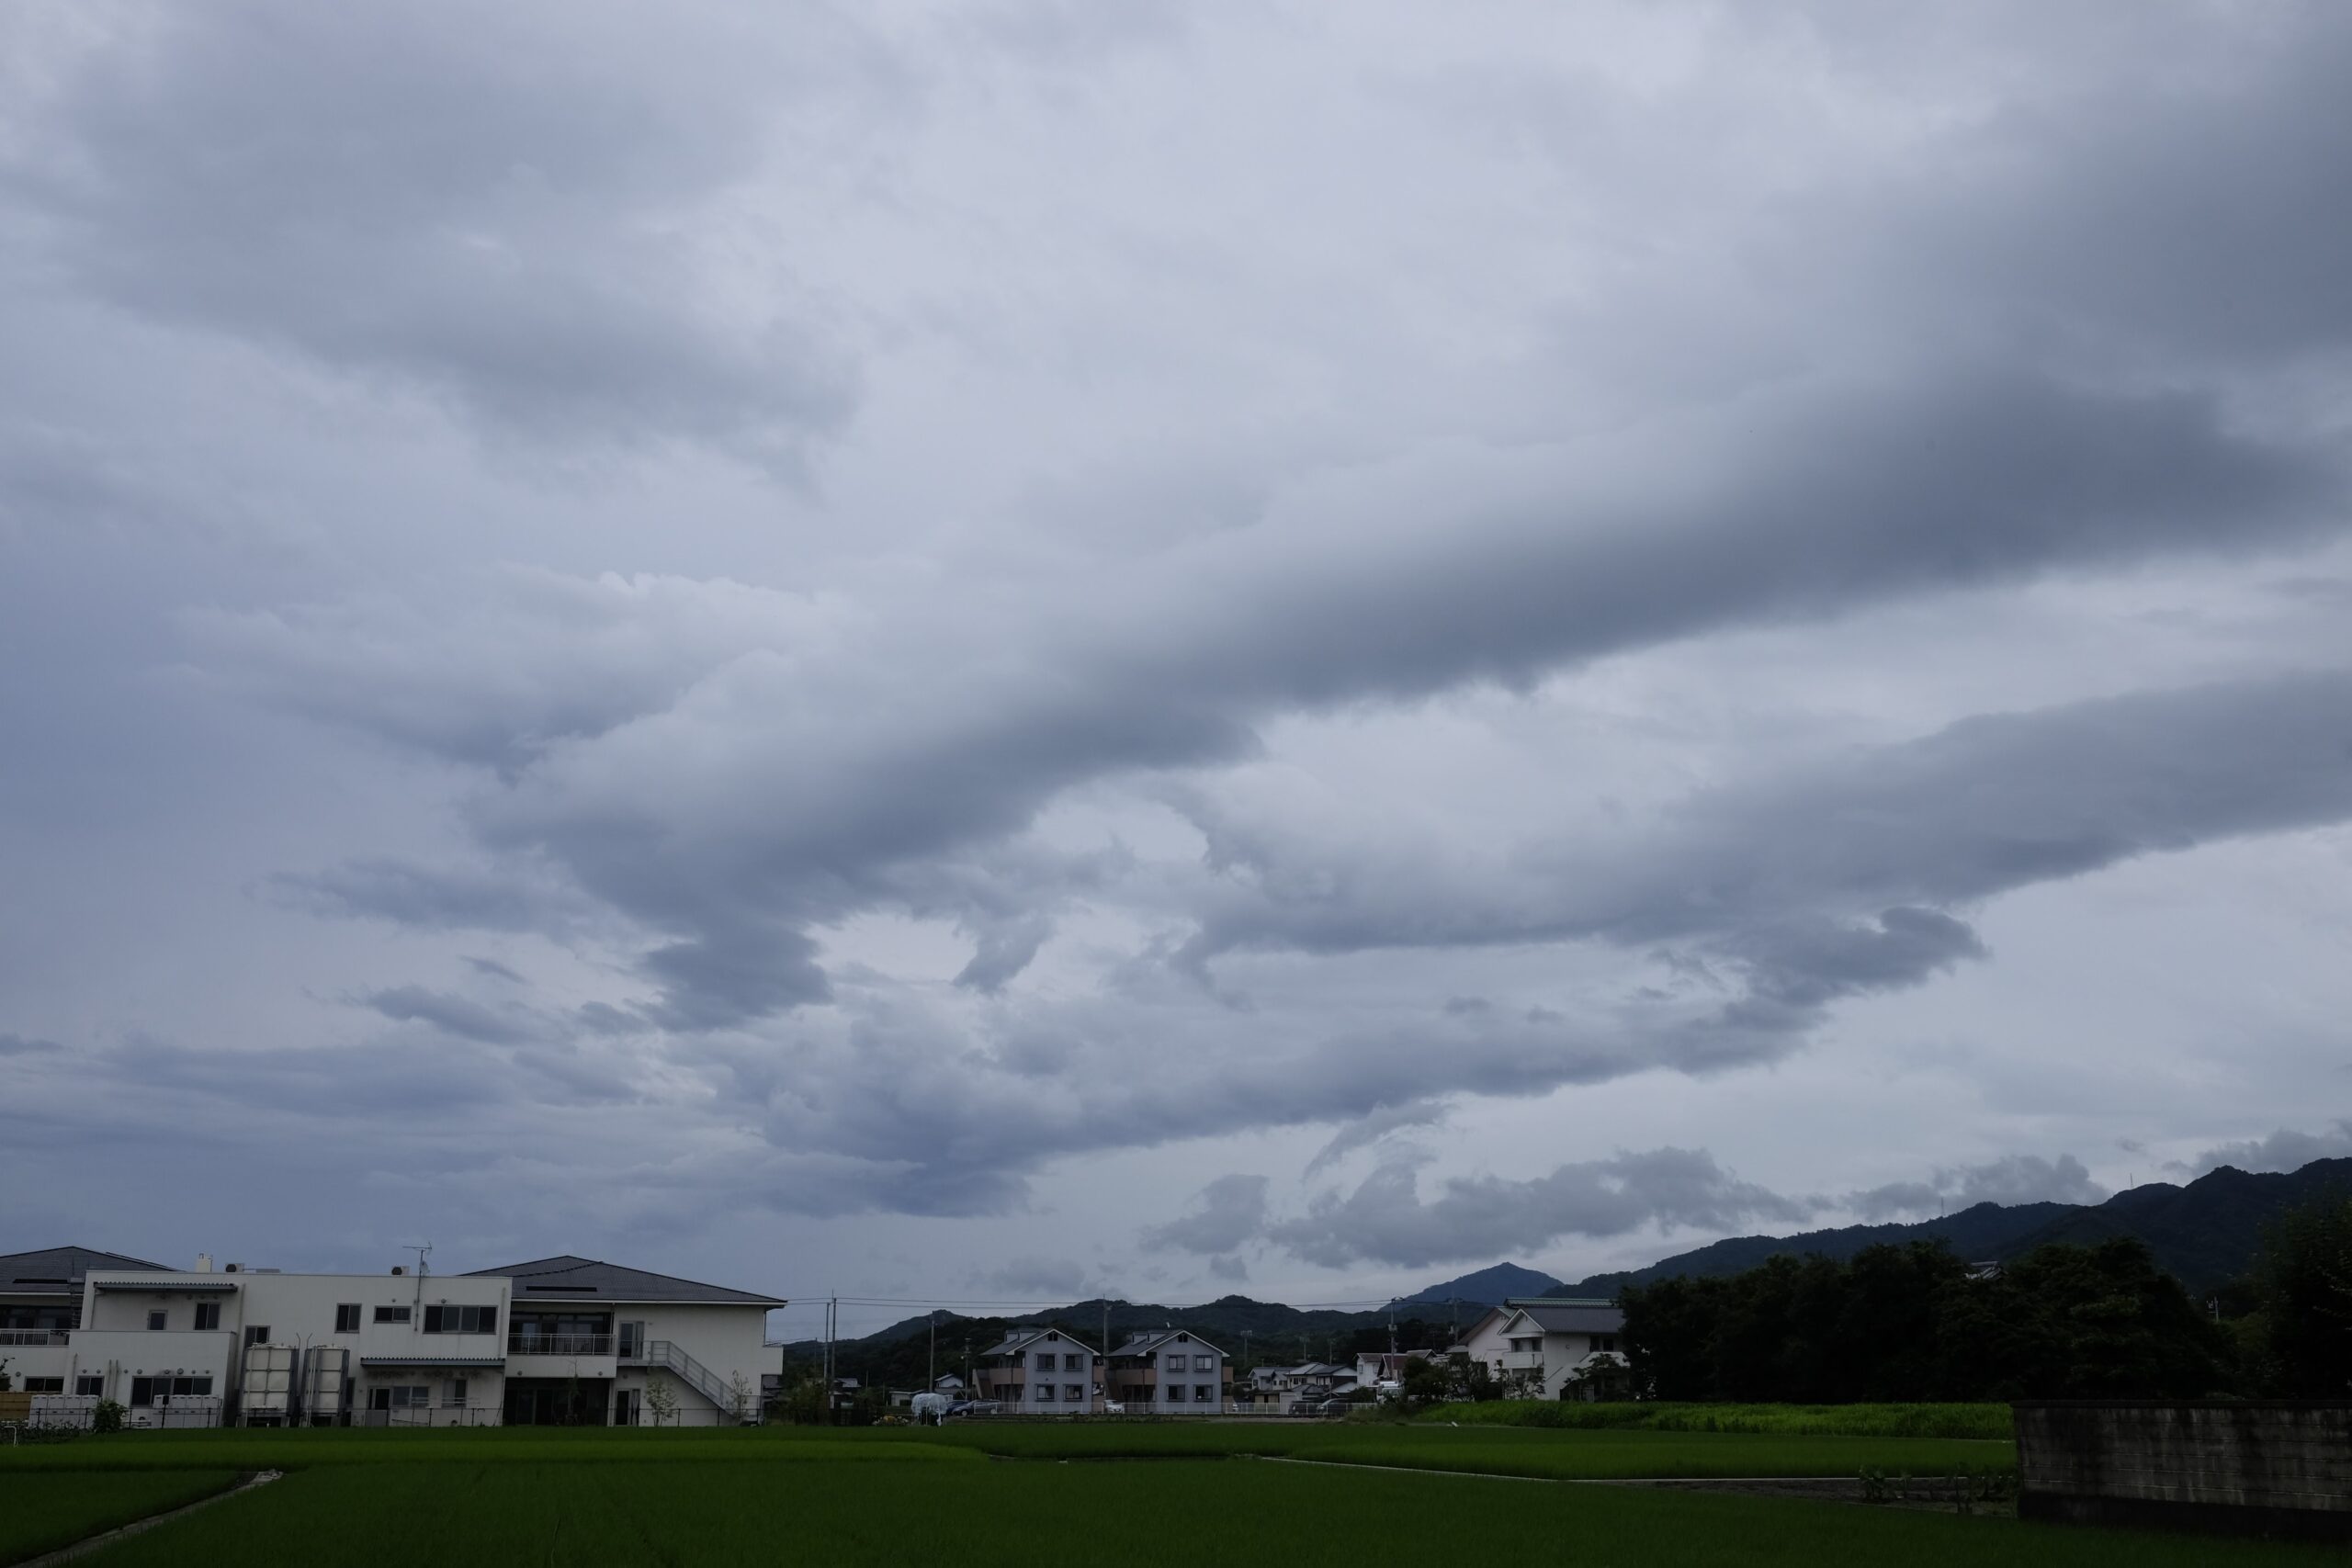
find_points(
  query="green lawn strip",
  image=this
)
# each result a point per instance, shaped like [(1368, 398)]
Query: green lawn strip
[(1607, 1454), (247, 1448), (622, 1514), (42, 1512), (1501, 1449), (1627, 1456), (1787, 1420)]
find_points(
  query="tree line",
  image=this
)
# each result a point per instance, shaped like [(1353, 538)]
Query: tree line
[(1915, 1323)]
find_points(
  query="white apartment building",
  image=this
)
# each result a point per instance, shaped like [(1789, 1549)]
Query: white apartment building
[(1541, 1346), (1041, 1372), (560, 1341), (1170, 1372)]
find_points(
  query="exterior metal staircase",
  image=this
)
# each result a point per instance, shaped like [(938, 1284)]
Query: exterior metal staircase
[(665, 1354)]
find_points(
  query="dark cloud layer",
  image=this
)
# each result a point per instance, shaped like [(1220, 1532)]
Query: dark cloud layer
[(873, 615), (1384, 1219)]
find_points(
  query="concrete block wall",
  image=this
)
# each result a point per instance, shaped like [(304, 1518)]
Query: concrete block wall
[(2253, 1467)]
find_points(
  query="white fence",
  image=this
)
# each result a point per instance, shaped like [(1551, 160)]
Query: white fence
[(80, 1411)]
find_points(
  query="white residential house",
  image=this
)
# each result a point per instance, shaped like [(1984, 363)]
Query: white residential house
[(1375, 1368), (560, 1341), (1171, 1372), (1543, 1347), (1041, 1372)]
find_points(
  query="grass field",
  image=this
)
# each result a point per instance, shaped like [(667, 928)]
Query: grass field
[(1501, 1451), (40, 1513), (595, 1511), (1781, 1420)]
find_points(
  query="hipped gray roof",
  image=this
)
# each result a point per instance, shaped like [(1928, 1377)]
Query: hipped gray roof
[(1575, 1317), (566, 1278), (58, 1271)]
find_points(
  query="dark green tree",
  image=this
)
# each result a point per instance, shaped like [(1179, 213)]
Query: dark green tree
[(2304, 1283)]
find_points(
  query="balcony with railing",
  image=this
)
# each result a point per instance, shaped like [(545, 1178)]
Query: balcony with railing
[(528, 1344), (35, 1335)]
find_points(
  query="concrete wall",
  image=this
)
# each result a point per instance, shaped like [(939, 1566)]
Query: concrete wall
[(2253, 1467)]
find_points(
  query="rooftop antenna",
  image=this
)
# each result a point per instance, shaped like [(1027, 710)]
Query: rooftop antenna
[(423, 1268)]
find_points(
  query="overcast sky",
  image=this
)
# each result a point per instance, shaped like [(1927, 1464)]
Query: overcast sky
[(1010, 649)]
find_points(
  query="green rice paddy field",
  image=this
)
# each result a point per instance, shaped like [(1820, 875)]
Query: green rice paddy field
[(40, 1512), (1016, 1493)]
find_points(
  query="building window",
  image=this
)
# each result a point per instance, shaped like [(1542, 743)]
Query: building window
[(90, 1384), (45, 1385), (143, 1393), (1044, 1363), (158, 1319), (1204, 1363), (208, 1315), (1604, 1342), (256, 1333), (458, 1391), (1044, 1393), (1201, 1392), (1173, 1393), (346, 1317), (1072, 1363), (404, 1396), (1074, 1393), (185, 1388), (462, 1320), (391, 1314)]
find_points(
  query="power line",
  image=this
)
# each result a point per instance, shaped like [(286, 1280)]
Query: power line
[(1066, 1302)]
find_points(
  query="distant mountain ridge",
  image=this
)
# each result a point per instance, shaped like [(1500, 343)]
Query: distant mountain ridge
[(2205, 1232), (1485, 1288)]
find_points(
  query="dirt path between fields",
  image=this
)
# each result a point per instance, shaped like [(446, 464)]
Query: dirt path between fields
[(89, 1544)]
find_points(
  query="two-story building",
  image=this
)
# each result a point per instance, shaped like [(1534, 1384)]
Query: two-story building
[(589, 1342), (40, 1306), (1170, 1372), (1546, 1346), (1041, 1372), (560, 1341), (263, 1346)]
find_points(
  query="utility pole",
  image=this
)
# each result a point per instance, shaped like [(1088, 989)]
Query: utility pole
[(832, 1315), (932, 1366)]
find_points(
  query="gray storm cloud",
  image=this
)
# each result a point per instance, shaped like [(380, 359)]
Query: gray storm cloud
[(817, 616)]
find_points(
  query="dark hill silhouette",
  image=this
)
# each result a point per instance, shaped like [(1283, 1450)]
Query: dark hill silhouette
[(1485, 1288), (2205, 1232)]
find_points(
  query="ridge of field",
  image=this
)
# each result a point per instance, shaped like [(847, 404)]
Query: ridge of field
[(41, 1512), (1603, 1454), (1991, 1421), (250, 1449), (1045, 1515)]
